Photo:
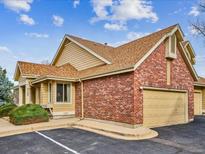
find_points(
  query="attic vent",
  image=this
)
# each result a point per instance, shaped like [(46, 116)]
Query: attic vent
[(171, 47)]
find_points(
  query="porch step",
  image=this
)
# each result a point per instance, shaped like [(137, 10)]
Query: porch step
[(61, 115), (116, 131)]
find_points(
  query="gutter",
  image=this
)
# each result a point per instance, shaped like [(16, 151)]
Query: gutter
[(199, 84), (130, 69), (82, 101)]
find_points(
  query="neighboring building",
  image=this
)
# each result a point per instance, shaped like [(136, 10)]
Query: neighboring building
[(199, 96), (149, 81)]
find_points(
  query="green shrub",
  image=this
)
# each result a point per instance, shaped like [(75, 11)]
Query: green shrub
[(6, 108), (28, 114)]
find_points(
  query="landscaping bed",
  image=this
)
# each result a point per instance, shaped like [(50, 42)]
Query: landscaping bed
[(6, 108), (28, 114)]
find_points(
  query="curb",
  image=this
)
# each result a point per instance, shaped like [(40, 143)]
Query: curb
[(28, 129), (118, 135)]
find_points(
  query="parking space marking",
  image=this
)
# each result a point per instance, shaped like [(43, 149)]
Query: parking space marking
[(56, 142)]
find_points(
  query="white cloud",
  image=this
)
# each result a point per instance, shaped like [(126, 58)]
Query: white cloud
[(18, 5), (100, 9), (76, 3), (123, 10), (4, 49), (36, 35), (27, 20), (193, 31), (115, 26), (130, 37), (200, 58), (135, 35), (58, 21), (194, 11)]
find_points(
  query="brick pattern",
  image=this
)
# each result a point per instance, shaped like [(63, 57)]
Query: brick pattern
[(108, 98), (152, 73)]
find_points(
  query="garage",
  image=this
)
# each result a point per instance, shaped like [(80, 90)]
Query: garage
[(163, 107), (197, 102)]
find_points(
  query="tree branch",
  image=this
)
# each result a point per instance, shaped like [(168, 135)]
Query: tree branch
[(199, 28)]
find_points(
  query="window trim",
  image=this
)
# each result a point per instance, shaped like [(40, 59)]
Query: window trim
[(64, 83)]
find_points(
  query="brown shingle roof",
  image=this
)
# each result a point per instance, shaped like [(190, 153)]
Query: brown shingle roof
[(121, 57), (32, 69)]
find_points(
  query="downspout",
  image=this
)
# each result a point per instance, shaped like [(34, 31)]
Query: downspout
[(82, 101)]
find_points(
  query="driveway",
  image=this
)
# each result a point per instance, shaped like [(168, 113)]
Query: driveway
[(180, 139)]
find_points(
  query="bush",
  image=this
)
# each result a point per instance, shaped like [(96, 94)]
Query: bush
[(6, 108), (28, 114)]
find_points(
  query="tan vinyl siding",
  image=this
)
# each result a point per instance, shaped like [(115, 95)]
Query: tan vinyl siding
[(78, 57), (37, 95), (66, 107), (44, 94)]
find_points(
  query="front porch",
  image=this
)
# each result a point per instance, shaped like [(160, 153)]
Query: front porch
[(58, 96)]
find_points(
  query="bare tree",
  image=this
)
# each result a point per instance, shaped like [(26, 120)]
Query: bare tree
[(199, 24)]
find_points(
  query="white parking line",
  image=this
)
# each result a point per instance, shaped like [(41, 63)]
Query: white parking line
[(56, 142)]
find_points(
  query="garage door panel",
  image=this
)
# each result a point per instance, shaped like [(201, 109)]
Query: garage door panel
[(164, 105), (157, 113), (197, 103), (163, 108)]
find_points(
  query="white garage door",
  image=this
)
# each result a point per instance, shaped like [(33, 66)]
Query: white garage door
[(162, 108)]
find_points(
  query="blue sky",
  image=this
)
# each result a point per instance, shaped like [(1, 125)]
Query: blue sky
[(31, 30)]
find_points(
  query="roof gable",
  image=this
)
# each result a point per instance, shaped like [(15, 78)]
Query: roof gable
[(36, 70), (85, 45), (77, 57)]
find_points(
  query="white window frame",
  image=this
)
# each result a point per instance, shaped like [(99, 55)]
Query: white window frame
[(64, 83)]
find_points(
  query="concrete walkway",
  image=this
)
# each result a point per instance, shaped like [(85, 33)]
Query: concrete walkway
[(7, 129), (106, 129), (116, 131)]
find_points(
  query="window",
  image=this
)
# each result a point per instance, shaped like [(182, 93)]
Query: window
[(63, 92)]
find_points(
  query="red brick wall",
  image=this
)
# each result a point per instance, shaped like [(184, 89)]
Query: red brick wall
[(108, 98), (152, 72)]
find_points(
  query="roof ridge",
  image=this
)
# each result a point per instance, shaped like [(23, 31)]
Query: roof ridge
[(34, 63), (85, 39), (147, 35)]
